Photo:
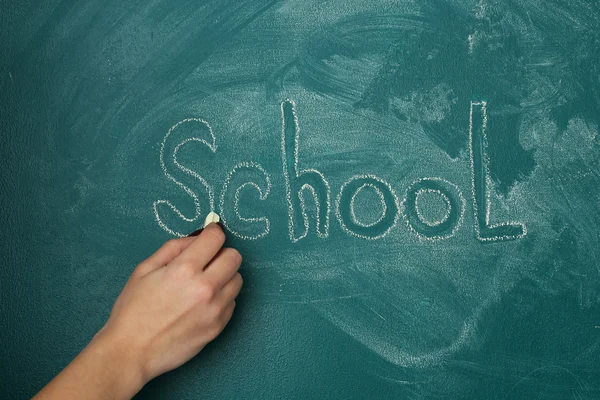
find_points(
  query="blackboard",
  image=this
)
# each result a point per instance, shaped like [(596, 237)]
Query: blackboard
[(414, 186)]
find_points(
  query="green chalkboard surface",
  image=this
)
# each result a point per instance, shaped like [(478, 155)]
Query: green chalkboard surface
[(414, 185)]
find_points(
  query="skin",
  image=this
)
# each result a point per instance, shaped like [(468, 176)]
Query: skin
[(173, 305)]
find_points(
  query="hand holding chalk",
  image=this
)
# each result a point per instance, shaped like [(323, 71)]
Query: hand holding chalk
[(179, 299), (211, 218), (174, 303)]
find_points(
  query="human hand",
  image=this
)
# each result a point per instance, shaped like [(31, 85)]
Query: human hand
[(174, 303)]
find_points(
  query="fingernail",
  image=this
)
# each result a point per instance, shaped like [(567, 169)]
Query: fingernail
[(195, 233)]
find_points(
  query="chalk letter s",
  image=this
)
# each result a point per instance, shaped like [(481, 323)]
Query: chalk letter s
[(182, 133)]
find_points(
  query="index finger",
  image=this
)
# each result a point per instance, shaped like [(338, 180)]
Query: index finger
[(204, 247)]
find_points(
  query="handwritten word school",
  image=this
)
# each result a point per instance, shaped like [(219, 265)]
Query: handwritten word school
[(302, 182)]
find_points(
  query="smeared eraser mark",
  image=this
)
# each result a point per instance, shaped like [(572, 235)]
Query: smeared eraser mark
[(210, 218)]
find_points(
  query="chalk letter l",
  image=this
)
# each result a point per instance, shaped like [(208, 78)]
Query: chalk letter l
[(482, 182)]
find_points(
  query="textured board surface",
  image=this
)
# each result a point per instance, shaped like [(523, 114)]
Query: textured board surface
[(414, 186)]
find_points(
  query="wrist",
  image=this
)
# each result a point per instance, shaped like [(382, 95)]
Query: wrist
[(122, 364)]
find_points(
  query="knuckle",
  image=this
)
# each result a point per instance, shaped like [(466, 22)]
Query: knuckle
[(171, 244), (187, 269), (238, 282), (211, 330), (230, 310), (205, 292), (216, 313), (235, 255), (227, 314), (216, 325), (140, 269)]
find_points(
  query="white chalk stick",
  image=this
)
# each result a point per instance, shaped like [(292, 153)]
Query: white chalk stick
[(210, 218)]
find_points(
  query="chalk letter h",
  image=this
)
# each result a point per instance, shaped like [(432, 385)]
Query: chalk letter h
[(298, 181)]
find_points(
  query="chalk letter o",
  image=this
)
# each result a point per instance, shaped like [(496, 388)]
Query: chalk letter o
[(344, 207), (449, 224)]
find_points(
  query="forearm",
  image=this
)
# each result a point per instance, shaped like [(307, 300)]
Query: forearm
[(102, 371)]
